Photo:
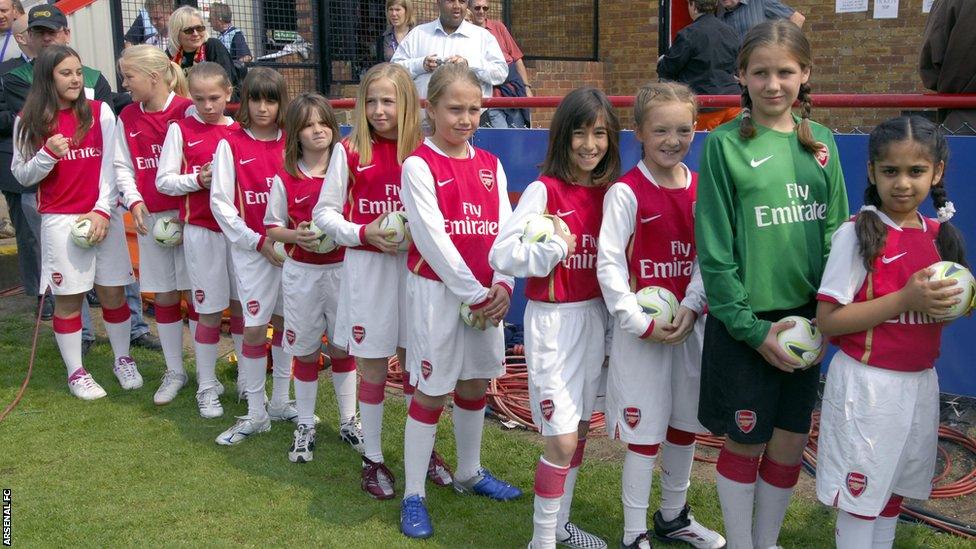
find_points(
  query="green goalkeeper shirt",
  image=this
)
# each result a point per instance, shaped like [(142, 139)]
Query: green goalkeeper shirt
[(765, 213)]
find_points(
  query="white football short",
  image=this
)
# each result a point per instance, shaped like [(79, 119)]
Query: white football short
[(878, 435), (653, 385), (69, 269), (564, 348), (311, 296), (258, 286), (372, 317), (161, 269), (211, 269), (441, 348)]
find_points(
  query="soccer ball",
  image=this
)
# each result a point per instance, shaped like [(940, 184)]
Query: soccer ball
[(167, 232), (539, 228), (401, 229), (658, 303), (279, 248), (468, 317), (79, 233), (803, 342), (964, 279), (326, 243)]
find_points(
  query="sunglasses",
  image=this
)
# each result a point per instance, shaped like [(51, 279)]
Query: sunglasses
[(199, 29), (480, 8)]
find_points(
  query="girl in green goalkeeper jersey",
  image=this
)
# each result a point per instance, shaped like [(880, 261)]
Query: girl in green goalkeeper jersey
[(770, 195)]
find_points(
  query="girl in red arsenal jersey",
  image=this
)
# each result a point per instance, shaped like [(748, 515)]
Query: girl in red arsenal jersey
[(185, 170), (362, 189), (60, 143), (158, 90), (880, 415), (456, 197), (565, 319), (310, 276)]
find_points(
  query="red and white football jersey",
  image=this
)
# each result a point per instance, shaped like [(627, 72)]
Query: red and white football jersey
[(373, 189), (198, 142), (256, 163), (291, 203)]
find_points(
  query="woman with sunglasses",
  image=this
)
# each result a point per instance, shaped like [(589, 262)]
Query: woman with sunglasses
[(189, 44)]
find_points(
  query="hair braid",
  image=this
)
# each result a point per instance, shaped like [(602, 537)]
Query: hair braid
[(747, 130), (803, 131), (870, 230), (950, 242)]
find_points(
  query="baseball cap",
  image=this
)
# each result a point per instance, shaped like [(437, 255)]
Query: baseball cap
[(47, 16)]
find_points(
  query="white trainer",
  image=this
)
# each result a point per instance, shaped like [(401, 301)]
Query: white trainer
[(284, 412), (351, 432), (209, 403), (171, 384), (685, 528), (244, 427), (125, 369), (82, 385), (303, 445)]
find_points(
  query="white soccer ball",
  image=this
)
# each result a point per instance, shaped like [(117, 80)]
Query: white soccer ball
[(658, 303), (803, 342), (279, 248), (325, 242), (964, 279), (79, 233), (539, 228), (167, 232), (468, 317), (397, 221)]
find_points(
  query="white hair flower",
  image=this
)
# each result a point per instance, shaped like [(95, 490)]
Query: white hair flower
[(946, 212)]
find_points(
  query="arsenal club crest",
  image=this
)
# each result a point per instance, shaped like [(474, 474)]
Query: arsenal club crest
[(199, 296), (746, 420), (253, 307), (546, 407), (632, 416), (487, 178), (57, 278), (822, 155), (425, 368), (358, 334), (290, 336), (857, 483)]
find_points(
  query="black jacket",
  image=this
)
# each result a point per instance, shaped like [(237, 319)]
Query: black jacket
[(703, 57)]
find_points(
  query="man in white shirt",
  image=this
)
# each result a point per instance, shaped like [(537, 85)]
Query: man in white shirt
[(451, 39)]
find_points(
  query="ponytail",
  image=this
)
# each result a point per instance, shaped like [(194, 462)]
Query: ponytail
[(950, 242), (747, 129), (803, 131), (176, 80)]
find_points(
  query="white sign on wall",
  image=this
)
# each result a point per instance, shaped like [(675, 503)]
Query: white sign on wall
[(886, 9), (927, 6), (851, 6)]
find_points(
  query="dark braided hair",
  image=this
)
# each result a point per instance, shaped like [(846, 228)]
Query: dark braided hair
[(871, 231), (778, 32)]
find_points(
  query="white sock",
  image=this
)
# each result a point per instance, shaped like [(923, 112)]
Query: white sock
[(468, 428), (238, 343), (770, 510), (566, 502), (280, 375), (676, 464), (737, 502), (637, 478), (852, 532), (546, 509), (251, 366), (70, 346), (305, 392), (372, 420), (192, 325), (171, 339), (418, 443), (206, 356), (884, 532), (344, 385), (118, 336)]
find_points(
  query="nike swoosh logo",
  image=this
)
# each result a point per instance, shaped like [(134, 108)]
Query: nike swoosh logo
[(564, 214), (361, 169), (302, 199), (192, 143), (445, 182), (135, 134), (756, 163), (248, 161), (649, 219), (886, 260)]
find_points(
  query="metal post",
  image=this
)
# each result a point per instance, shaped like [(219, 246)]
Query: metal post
[(596, 30), (118, 37), (507, 13)]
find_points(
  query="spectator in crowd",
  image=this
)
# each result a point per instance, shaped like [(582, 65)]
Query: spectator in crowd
[(703, 57), (451, 39), (742, 15), (150, 26), (517, 82), (230, 36), (189, 43), (401, 19), (947, 63), (10, 10)]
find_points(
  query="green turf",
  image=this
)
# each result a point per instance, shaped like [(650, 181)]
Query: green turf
[(122, 472)]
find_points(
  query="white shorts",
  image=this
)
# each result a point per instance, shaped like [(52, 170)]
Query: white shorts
[(211, 269), (878, 435), (311, 295), (161, 269), (441, 348), (564, 348), (372, 317), (69, 270), (651, 386), (258, 286)]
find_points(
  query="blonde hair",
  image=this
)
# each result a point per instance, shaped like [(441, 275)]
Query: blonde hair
[(443, 77), (209, 70), (178, 21), (409, 134), (151, 60), (411, 17), (657, 93)]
